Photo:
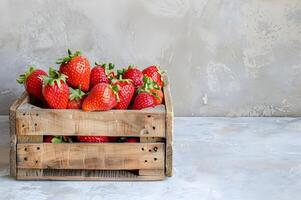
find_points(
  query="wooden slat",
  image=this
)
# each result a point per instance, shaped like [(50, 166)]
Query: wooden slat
[(67, 174), (169, 129), (151, 172), (142, 123), (151, 139), (115, 156), (12, 126), (29, 139)]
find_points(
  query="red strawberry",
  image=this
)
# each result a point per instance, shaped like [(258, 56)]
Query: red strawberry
[(76, 98), (152, 88), (55, 139), (125, 90), (132, 140), (77, 69), (55, 90), (101, 97), (114, 139), (154, 73), (33, 82), (90, 139), (47, 138), (101, 74), (158, 96), (143, 100), (132, 73)]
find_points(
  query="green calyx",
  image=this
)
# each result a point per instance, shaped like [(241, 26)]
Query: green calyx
[(148, 85), (119, 79), (120, 72), (131, 66), (115, 89), (22, 78), (69, 57), (107, 67), (76, 94), (60, 139), (54, 77)]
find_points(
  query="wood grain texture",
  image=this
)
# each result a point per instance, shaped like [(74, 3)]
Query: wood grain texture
[(115, 156), (169, 129), (88, 175), (29, 139), (35, 121), (151, 159), (12, 127), (151, 172), (151, 139)]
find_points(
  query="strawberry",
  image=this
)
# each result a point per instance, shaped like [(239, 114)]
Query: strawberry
[(113, 139), (143, 100), (32, 82), (152, 88), (55, 90), (56, 139), (101, 74), (77, 69), (132, 140), (158, 96), (101, 97), (132, 73), (90, 139), (47, 138), (125, 92), (155, 73), (75, 99)]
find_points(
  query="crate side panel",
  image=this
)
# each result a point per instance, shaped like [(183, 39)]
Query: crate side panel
[(169, 129), (76, 122), (12, 129), (98, 175), (91, 156)]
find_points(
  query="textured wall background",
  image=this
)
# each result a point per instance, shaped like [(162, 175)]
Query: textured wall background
[(224, 58)]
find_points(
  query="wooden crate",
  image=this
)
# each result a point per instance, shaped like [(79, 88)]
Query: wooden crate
[(150, 159)]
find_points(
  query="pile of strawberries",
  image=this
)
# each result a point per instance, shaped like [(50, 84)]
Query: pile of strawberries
[(78, 86)]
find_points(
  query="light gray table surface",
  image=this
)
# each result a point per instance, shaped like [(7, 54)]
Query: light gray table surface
[(214, 159)]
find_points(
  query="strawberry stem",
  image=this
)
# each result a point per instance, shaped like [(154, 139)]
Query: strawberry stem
[(54, 77), (115, 89), (68, 58), (148, 85), (76, 94)]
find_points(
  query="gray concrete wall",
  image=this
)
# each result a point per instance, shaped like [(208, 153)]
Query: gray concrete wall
[(224, 58)]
